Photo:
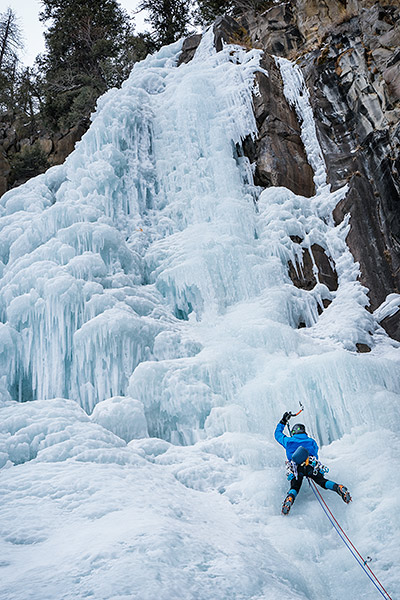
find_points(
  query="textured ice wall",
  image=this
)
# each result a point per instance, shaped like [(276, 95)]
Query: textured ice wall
[(253, 354), (147, 246), (89, 277)]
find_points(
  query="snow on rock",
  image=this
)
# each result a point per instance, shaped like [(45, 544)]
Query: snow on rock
[(388, 308)]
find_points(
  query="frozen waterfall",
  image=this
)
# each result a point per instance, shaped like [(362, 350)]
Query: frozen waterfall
[(150, 341)]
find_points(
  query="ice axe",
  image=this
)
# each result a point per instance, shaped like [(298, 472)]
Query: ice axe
[(294, 415)]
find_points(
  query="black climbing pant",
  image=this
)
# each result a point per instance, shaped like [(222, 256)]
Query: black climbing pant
[(302, 471)]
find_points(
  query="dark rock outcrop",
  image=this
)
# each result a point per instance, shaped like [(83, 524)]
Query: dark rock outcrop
[(189, 48), (229, 31), (302, 274), (279, 152), (63, 144), (349, 53), (279, 143), (26, 151), (357, 116), (392, 325), (363, 348), (5, 169), (275, 30)]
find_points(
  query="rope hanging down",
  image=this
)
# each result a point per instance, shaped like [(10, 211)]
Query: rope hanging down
[(361, 561)]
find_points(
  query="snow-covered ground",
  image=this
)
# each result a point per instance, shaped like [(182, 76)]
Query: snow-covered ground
[(149, 343)]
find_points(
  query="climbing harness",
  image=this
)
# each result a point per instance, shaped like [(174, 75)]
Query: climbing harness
[(291, 470), (318, 467), (363, 562), (312, 461)]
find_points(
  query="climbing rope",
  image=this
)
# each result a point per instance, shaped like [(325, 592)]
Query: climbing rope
[(361, 561)]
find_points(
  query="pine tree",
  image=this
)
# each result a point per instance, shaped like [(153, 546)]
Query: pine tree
[(90, 46), (208, 10), (10, 38), (169, 19), (10, 46), (28, 95)]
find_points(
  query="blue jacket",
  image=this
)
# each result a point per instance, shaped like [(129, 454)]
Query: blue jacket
[(292, 443)]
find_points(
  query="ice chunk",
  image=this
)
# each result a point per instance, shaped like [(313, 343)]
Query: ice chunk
[(123, 416), (388, 308), (225, 418)]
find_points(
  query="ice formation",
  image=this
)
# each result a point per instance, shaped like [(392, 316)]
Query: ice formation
[(149, 343)]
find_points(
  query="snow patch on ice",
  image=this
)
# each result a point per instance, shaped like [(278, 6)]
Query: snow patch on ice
[(123, 416), (389, 307)]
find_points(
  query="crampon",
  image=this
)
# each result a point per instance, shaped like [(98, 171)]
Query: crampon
[(344, 493), (287, 504)]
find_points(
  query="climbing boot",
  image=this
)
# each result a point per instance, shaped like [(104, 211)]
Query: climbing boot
[(343, 493), (287, 504)]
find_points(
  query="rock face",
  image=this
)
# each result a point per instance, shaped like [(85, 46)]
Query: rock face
[(349, 51), (26, 151), (357, 108), (189, 48), (279, 130), (279, 137), (303, 275)]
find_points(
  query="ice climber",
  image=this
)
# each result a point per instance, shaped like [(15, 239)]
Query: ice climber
[(302, 461)]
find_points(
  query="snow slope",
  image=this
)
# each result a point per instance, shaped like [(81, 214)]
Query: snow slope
[(149, 343)]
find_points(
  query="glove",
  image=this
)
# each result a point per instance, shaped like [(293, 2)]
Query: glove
[(285, 418)]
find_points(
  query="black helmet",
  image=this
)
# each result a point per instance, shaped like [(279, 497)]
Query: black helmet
[(298, 428)]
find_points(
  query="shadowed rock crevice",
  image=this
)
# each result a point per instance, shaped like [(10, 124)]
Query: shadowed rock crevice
[(278, 152), (314, 263)]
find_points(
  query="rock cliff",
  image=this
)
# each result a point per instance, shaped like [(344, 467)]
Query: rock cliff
[(349, 52), (27, 150)]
